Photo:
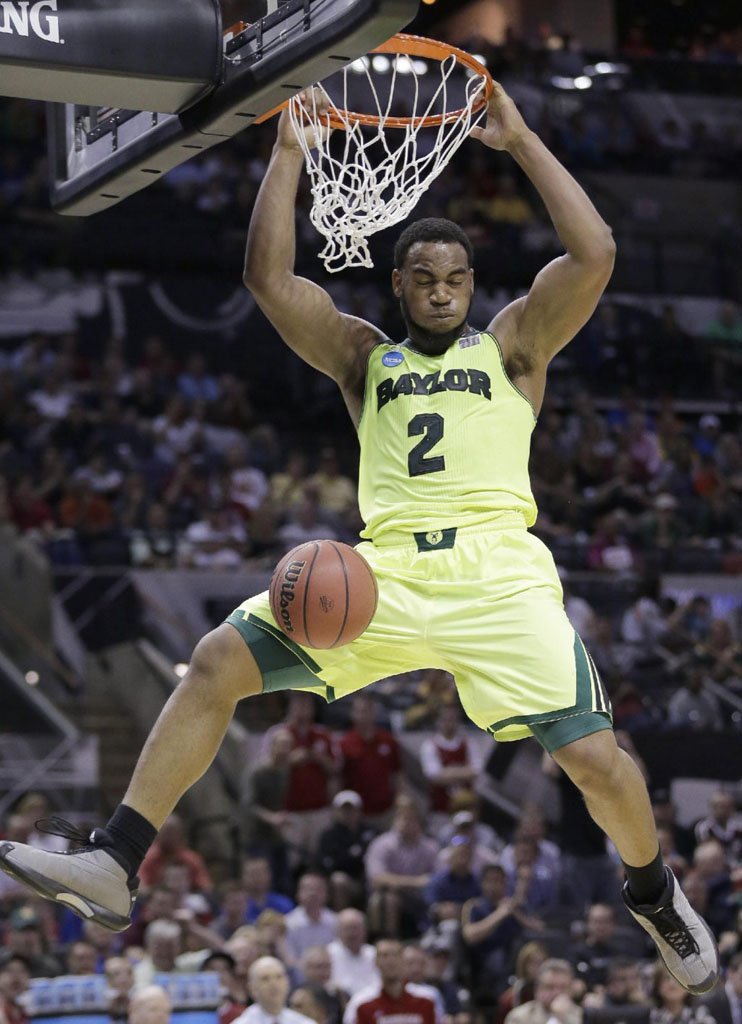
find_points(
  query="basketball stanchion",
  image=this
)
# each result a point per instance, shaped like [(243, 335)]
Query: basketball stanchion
[(372, 180)]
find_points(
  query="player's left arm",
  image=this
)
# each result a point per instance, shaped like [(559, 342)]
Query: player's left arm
[(565, 293)]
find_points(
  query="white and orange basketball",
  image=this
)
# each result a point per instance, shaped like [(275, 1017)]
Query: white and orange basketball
[(323, 594)]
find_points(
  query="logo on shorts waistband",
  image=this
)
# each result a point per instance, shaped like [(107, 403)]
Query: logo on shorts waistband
[(436, 540)]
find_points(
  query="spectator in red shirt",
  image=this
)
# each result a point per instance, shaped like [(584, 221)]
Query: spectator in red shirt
[(371, 762), (83, 510), (450, 763), (314, 762), (390, 1000), (170, 848), (28, 510)]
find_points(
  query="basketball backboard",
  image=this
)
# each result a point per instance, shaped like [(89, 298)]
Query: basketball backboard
[(99, 155)]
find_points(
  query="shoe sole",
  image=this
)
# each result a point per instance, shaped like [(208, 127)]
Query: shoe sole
[(51, 890)]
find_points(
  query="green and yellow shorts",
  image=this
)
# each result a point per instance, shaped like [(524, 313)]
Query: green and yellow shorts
[(483, 602)]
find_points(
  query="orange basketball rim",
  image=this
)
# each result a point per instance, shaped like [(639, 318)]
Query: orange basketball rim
[(405, 45)]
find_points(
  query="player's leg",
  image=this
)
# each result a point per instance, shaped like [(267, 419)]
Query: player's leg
[(616, 796), (99, 882), (246, 655), (190, 728), (618, 801), (521, 670)]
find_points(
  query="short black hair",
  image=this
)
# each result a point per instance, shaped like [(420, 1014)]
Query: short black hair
[(735, 962), (7, 957), (218, 954), (431, 229), (620, 963)]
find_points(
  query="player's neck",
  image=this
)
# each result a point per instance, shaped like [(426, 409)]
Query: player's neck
[(428, 344)]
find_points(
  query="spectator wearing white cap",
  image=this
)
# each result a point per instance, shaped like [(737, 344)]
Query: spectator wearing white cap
[(484, 842), (662, 526), (465, 809), (342, 849), (708, 434)]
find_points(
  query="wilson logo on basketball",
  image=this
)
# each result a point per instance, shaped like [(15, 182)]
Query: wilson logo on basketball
[(326, 603), (24, 19), (291, 576)]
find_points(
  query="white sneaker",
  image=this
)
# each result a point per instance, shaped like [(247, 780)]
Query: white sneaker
[(91, 881), (683, 939)]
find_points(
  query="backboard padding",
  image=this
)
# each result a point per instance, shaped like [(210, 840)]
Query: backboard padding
[(301, 42)]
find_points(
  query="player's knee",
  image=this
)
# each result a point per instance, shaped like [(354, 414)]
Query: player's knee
[(222, 663), (591, 762)]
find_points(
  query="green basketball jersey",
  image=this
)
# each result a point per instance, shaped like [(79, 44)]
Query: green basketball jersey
[(444, 439)]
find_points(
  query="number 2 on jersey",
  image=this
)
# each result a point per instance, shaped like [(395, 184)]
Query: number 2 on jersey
[(431, 426)]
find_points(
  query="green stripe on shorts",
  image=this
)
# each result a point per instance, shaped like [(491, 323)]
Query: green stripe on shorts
[(283, 664), (553, 735), (589, 698)]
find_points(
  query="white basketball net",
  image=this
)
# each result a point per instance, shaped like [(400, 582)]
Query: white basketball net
[(379, 176)]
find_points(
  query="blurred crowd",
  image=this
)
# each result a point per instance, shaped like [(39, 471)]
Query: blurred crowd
[(594, 129), (708, 39), (366, 881), (131, 454)]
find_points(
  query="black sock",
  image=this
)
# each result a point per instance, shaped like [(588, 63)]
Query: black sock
[(647, 884), (132, 835)]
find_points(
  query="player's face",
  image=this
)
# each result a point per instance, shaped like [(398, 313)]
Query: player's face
[(434, 288)]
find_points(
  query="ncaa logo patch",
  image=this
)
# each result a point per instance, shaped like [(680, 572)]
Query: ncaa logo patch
[(434, 537), (392, 358)]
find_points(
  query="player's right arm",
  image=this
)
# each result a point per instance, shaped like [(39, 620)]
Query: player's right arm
[(302, 312)]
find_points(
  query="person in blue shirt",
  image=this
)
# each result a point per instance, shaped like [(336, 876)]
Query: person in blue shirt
[(455, 883), (256, 879), (491, 924)]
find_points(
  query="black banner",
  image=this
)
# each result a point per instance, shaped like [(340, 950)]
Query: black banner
[(134, 54)]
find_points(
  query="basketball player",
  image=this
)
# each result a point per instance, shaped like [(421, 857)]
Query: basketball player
[(444, 421)]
